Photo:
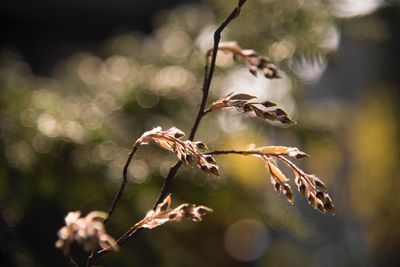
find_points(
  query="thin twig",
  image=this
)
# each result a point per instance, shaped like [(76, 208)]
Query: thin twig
[(123, 183), (240, 152), (125, 237), (71, 261), (117, 198)]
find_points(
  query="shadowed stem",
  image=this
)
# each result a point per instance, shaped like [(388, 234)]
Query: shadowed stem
[(208, 75), (133, 231), (118, 196)]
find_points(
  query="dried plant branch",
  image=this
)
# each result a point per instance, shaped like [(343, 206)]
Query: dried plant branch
[(71, 261), (158, 216), (308, 185), (208, 75), (163, 214), (243, 103), (250, 58), (186, 151)]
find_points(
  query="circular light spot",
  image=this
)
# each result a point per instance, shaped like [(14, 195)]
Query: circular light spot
[(41, 144), (139, 170), (118, 67), (246, 240), (48, 125), (146, 100)]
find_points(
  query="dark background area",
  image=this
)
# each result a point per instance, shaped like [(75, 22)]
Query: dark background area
[(45, 32)]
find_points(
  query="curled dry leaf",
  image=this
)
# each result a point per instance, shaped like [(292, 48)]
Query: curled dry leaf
[(163, 213), (242, 102), (186, 151), (249, 57), (87, 231)]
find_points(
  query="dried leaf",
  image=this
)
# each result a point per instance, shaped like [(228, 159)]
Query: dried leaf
[(163, 213), (276, 173), (308, 185), (311, 186), (241, 103), (250, 58), (242, 97)]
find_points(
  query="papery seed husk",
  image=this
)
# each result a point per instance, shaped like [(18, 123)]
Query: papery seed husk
[(210, 159), (247, 108), (302, 190), (214, 170), (268, 104), (319, 183)]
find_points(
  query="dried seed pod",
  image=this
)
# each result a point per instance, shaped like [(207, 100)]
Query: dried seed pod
[(163, 213), (249, 57), (88, 231), (308, 184), (186, 151)]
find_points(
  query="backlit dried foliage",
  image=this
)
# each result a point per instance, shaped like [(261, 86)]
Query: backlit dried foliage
[(308, 185), (242, 102), (163, 213), (186, 151), (87, 231), (249, 57)]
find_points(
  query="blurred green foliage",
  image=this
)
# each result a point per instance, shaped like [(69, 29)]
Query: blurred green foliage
[(64, 140)]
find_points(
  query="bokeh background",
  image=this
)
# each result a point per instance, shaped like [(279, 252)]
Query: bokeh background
[(81, 80)]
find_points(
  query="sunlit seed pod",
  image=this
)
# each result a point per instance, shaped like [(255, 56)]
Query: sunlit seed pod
[(205, 169), (277, 187), (329, 206), (289, 195), (302, 190), (247, 108), (320, 184), (201, 146), (210, 159), (214, 170), (179, 134), (172, 216), (320, 195), (202, 210), (268, 104), (320, 207)]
